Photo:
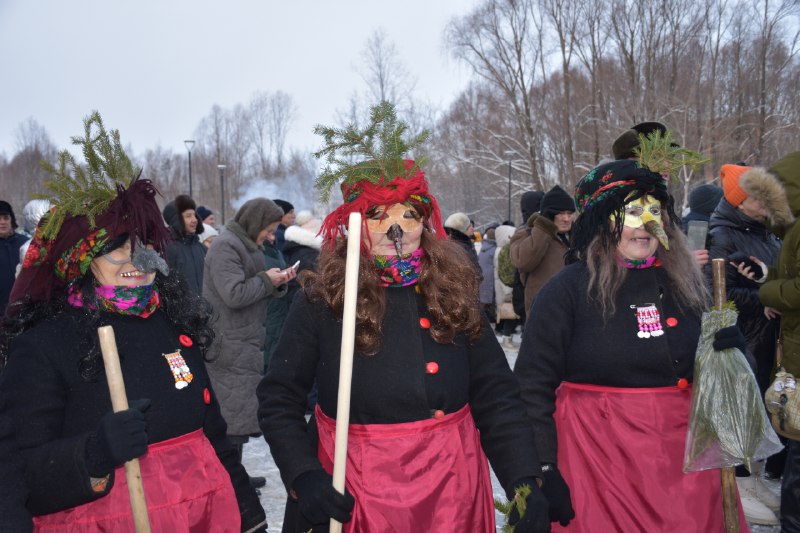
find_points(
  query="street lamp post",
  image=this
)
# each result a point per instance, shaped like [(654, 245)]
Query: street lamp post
[(509, 153), (222, 191), (189, 145)]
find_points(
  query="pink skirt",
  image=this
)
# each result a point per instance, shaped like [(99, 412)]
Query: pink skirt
[(620, 450), (185, 486), (430, 475)]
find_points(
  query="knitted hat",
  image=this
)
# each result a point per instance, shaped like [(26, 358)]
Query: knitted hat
[(625, 145), (529, 203), (601, 197), (704, 198), (283, 204), (32, 213), (203, 212), (5, 209), (303, 216), (458, 221), (555, 201), (95, 205), (208, 233), (383, 177), (729, 175)]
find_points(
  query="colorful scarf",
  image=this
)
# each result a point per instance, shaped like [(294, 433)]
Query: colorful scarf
[(641, 263), (141, 301), (399, 270)]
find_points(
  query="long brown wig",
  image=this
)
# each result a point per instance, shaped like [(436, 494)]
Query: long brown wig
[(447, 282)]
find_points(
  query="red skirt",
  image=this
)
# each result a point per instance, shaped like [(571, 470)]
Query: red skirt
[(185, 485), (430, 475), (620, 450)]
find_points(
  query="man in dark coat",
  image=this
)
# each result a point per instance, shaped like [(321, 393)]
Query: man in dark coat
[(703, 199), (10, 242), (459, 228), (185, 253), (286, 221)]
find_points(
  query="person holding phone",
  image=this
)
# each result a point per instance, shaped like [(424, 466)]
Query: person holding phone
[(737, 230)]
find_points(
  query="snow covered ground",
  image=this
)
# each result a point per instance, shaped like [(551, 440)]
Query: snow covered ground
[(258, 462)]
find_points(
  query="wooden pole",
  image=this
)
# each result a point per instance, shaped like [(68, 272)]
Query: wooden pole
[(119, 402), (346, 356), (730, 495)]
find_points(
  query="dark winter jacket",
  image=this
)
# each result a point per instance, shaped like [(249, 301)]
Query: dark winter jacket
[(237, 286), (55, 409), (13, 490), (566, 339), (277, 308), (9, 259), (185, 254), (465, 242), (538, 253), (391, 386), (301, 245), (731, 231)]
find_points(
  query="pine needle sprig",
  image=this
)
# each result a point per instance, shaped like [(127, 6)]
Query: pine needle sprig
[(661, 154), (519, 501), (379, 150), (87, 189)]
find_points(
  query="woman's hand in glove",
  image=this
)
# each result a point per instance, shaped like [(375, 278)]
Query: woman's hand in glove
[(318, 501), (534, 519), (730, 337), (119, 437), (557, 493)]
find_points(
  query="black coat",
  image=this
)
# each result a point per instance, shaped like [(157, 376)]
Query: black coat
[(186, 256), (55, 410), (391, 386), (730, 231), (566, 339), (13, 491), (465, 242), (307, 256), (9, 259)]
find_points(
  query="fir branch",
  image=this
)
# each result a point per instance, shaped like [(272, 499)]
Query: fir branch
[(661, 154), (379, 150), (520, 501), (88, 189)]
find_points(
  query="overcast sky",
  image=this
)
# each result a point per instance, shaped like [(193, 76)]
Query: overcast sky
[(154, 68)]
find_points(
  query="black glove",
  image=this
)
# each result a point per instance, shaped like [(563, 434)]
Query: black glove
[(535, 518), (730, 337), (119, 437), (318, 501), (557, 493), (741, 257)]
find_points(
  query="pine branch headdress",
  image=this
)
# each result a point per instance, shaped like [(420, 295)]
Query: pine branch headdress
[(373, 169), (93, 204)]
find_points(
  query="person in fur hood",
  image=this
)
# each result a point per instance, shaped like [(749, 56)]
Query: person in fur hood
[(185, 254), (737, 230), (780, 293)]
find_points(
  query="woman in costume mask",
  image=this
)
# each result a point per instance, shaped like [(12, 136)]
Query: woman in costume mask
[(428, 372), (606, 364), (97, 259)]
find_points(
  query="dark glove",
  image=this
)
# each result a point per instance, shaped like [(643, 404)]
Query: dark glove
[(730, 337), (119, 437), (741, 257), (318, 501), (535, 519), (557, 493)]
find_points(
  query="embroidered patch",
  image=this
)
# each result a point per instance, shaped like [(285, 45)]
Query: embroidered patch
[(180, 370), (649, 321)]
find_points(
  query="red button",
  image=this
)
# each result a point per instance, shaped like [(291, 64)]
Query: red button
[(432, 367), (424, 323), (438, 414), (672, 321), (657, 262), (206, 396), (683, 383), (185, 340)]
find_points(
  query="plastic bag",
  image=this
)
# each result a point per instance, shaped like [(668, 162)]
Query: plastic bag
[(728, 424)]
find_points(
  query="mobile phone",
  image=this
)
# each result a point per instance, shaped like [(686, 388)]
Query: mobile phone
[(294, 266), (696, 232)]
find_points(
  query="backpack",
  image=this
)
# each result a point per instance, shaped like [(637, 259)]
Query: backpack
[(505, 268)]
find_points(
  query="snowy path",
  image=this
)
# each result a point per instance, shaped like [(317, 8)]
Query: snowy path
[(258, 462)]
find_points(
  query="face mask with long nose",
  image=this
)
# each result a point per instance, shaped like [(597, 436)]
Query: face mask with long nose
[(646, 211), (394, 222)]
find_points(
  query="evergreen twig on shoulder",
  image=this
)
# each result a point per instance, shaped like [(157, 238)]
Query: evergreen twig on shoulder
[(87, 189), (379, 150)]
